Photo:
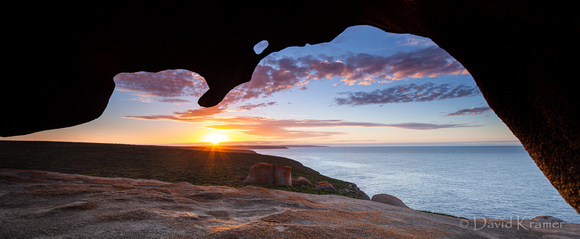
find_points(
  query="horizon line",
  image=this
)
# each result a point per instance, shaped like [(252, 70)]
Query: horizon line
[(289, 144)]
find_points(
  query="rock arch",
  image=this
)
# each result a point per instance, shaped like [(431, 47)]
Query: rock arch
[(522, 54)]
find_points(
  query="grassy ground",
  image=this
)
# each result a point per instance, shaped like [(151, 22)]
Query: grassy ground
[(170, 164)]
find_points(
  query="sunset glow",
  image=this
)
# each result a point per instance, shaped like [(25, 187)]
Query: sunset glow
[(215, 138)]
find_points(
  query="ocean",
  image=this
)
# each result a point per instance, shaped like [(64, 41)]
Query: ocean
[(468, 181)]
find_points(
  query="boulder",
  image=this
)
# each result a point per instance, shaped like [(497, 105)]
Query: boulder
[(324, 185), (295, 182), (282, 175), (266, 173), (261, 173), (389, 199), (547, 219), (304, 181)]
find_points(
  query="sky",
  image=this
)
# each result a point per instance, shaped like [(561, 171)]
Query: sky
[(366, 87)]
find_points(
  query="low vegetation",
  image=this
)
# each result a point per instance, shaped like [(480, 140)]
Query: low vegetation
[(196, 165)]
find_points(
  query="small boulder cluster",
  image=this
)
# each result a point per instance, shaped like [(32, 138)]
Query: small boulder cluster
[(269, 174)]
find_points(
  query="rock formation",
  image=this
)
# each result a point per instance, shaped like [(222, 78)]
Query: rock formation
[(282, 175), (265, 173), (389, 199), (45, 204), (522, 54), (262, 173)]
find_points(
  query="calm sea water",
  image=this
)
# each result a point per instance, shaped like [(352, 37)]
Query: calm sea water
[(472, 182)]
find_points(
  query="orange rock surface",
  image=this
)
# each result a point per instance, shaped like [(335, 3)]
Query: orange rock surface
[(46, 204)]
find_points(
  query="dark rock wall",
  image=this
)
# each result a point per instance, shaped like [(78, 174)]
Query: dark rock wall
[(522, 54)]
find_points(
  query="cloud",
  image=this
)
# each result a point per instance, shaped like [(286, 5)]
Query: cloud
[(163, 86), (287, 73), (427, 126), (408, 93), (285, 128), (201, 112), (428, 62), (362, 68), (172, 100), (253, 106), (413, 40), (471, 111)]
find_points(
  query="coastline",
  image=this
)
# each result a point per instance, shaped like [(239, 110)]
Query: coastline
[(198, 165), (170, 164), (158, 195), (481, 183)]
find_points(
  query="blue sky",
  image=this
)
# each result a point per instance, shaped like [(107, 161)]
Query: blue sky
[(366, 87)]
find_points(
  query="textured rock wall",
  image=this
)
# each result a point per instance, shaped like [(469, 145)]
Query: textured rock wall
[(61, 59)]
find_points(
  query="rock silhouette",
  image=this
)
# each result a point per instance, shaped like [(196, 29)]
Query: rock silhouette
[(522, 70)]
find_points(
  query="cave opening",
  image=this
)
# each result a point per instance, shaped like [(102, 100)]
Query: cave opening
[(365, 91)]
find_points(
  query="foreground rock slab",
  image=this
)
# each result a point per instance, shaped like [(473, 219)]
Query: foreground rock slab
[(46, 204)]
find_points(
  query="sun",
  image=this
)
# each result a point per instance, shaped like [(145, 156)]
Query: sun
[(215, 138)]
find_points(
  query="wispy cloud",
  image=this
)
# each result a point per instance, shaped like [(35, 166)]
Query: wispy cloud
[(427, 126), (286, 128), (413, 40), (471, 111), (408, 93), (199, 112), (253, 106)]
